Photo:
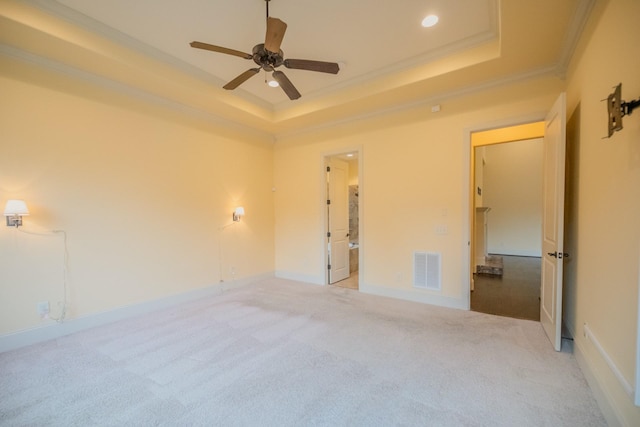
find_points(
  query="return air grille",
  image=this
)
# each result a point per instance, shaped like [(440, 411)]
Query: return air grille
[(426, 270)]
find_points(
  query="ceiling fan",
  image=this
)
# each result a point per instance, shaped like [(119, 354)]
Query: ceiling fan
[(269, 57)]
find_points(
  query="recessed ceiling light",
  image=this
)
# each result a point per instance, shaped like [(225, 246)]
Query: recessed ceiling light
[(350, 155), (430, 21)]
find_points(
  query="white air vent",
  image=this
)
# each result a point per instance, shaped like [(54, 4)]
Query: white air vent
[(426, 270)]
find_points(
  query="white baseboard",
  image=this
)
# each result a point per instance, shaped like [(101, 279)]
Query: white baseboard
[(417, 295), (56, 330), (601, 394), (300, 277)]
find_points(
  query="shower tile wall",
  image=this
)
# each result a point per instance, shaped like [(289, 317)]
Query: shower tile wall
[(353, 229), (353, 213)]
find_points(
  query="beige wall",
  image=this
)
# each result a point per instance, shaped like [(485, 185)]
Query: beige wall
[(141, 201), (353, 171), (603, 230), (513, 191), (415, 178)]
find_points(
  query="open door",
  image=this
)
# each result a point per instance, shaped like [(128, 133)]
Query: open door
[(553, 221), (338, 207)]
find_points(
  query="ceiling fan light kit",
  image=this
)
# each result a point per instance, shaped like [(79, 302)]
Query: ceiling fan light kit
[(268, 56)]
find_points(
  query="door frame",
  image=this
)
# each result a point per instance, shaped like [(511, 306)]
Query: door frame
[(467, 286), (325, 219)]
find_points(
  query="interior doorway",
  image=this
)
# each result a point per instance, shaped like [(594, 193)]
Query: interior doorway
[(343, 219), (507, 220)]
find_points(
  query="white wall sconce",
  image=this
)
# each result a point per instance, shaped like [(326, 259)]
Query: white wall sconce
[(238, 213), (14, 210)]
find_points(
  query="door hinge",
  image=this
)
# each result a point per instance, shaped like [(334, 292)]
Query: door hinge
[(328, 168), (329, 267), (328, 202), (328, 234)]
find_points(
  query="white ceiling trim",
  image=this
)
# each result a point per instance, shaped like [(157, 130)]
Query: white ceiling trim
[(491, 35), (439, 98), (131, 91), (574, 32), (373, 77), (87, 23), (83, 22), (225, 123)]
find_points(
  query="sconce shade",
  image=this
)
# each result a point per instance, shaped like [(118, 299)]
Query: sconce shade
[(238, 213), (14, 210), (16, 207)]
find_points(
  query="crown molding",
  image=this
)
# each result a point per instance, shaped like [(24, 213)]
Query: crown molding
[(491, 35), (550, 71), (381, 79), (78, 19), (225, 124), (578, 23)]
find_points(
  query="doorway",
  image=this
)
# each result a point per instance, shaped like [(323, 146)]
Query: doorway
[(507, 221), (343, 219)]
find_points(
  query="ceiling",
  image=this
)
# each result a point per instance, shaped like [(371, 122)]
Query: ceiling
[(368, 38), (387, 58)]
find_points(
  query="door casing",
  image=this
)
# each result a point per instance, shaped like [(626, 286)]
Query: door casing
[(510, 130), (530, 128), (358, 151)]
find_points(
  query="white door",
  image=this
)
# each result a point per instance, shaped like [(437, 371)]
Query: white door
[(553, 221), (338, 205)]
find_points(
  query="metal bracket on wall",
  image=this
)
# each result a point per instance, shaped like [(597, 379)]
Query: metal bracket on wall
[(617, 109)]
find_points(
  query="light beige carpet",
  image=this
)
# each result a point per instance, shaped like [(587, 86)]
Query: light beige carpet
[(289, 354)]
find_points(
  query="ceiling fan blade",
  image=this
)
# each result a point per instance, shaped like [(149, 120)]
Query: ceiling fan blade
[(207, 46), (286, 85), (275, 33), (305, 64), (241, 78)]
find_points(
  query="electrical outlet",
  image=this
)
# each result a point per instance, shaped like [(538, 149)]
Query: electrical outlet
[(43, 309)]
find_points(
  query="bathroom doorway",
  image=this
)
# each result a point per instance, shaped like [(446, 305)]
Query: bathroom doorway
[(343, 219)]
